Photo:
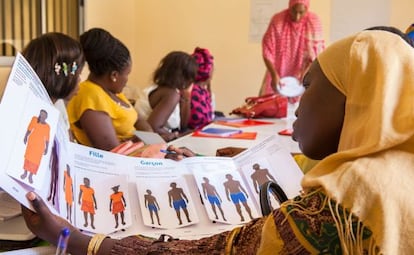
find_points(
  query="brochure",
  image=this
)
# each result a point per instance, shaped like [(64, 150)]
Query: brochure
[(105, 192)]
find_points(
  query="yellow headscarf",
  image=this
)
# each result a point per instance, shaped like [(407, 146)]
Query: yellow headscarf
[(372, 174)]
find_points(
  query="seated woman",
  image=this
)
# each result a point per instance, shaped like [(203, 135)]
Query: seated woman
[(100, 115), (202, 111), (166, 104), (356, 200)]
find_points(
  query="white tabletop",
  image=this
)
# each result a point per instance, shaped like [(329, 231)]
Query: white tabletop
[(207, 146)]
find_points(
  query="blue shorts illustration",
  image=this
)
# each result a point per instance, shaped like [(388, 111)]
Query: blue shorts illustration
[(179, 204), (238, 198), (152, 208), (213, 200)]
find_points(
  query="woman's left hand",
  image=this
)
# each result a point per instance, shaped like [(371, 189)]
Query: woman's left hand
[(43, 223)]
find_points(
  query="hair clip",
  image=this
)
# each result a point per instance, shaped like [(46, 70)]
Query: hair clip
[(65, 68), (74, 68), (57, 68)]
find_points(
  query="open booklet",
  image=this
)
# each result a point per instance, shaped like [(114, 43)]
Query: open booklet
[(100, 191)]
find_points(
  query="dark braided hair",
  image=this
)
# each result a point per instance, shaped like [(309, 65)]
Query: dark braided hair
[(103, 52)]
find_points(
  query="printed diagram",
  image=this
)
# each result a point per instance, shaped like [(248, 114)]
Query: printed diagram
[(226, 194), (178, 200), (152, 205), (68, 189), (87, 201), (210, 193), (257, 174), (159, 197), (117, 205), (36, 140), (102, 201), (260, 176), (238, 195), (30, 157)]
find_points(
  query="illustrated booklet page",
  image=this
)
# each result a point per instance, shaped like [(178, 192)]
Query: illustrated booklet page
[(34, 139), (190, 199)]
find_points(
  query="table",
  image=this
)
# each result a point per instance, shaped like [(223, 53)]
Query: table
[(208, 146)]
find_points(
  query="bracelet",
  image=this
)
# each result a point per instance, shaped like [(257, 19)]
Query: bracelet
[(95, 244)]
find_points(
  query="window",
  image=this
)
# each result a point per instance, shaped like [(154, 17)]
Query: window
[(23, 20)]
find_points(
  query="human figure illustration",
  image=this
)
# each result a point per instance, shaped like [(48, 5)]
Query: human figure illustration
[(117, 205), (36, 140), (68, 189), (260, 176), (238, 195), (213, 197), (87, 201), (54, 173), (179, 200), (152, 205)]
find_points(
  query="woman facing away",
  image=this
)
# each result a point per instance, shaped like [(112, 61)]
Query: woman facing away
[(356, 200), (292, 41), (202, 111), (167, 102), (100, 115)]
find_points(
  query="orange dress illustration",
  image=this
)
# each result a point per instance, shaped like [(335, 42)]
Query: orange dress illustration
[(117, 204), (36, 144), (68, 188), (87, 199)]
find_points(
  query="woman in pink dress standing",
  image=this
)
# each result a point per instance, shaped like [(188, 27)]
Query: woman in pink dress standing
[(292, 41)]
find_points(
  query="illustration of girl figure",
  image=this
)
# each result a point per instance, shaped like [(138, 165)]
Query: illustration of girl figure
[(87, 201), (68, 189), (36, 140), (117, 204)]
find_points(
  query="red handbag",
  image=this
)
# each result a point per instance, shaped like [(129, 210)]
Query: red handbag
[(266, 106)]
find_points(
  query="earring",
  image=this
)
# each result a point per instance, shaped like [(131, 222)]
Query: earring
[(114, 79)]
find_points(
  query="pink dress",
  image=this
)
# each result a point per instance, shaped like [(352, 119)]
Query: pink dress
[(291, 46)]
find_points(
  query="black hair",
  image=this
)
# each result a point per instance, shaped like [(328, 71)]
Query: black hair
[(176, 70), (49, 49), (103, 52)]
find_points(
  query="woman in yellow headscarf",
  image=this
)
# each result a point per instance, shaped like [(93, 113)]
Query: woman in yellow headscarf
[(357, 117)]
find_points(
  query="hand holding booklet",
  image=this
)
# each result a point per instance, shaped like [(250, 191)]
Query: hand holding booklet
[(150, 193)]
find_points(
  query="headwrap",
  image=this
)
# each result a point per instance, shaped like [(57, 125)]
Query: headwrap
[(205, 64), (410, 31), (291, 46), (372, 174), (294, 2)]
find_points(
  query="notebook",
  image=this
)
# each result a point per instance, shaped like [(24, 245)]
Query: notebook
[(223, 132), (149, 137)]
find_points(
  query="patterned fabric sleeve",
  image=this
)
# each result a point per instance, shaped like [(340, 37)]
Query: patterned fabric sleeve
[(245, 241)]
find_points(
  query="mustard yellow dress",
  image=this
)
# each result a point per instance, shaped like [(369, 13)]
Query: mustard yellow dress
[(92, 97)]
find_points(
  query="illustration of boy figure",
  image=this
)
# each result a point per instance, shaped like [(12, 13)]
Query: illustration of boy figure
[(237, 194), (176, 198), (87, 201), (68, 189), (213, 197), (36, 140), (260, 176), (152, 205), (117, 205)]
